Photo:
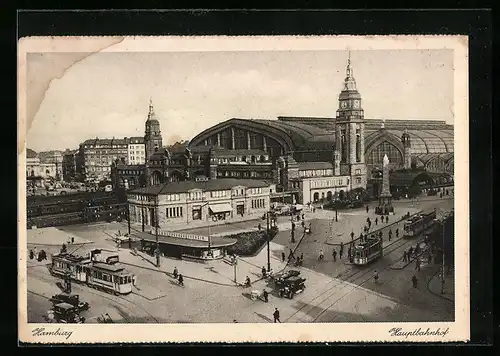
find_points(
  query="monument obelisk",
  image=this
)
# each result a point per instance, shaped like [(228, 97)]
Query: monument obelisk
[(385, 198)]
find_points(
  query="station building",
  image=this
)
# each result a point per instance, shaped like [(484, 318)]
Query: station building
[(195, 201), (307, 158)]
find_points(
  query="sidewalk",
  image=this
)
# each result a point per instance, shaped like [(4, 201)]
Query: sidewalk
[(219, 272), (434, 285)]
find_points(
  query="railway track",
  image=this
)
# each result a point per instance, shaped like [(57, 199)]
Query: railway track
[(351, 279), (47, 277)]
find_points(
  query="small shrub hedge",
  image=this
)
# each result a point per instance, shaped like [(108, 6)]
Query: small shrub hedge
[(248, 243)]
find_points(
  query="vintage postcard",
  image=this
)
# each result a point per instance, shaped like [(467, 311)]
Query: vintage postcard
[(243, 189)]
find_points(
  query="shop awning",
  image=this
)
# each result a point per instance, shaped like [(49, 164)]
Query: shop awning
[(220, 208)]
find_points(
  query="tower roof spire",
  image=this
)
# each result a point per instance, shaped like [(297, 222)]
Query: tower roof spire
[(151, 113), (349, 82)]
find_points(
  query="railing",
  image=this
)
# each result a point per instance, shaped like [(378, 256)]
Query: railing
[(180, 235)]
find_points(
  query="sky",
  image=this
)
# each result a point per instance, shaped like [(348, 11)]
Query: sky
[(107, 95)]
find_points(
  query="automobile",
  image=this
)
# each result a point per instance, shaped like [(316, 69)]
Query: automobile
[(292, 286), (280, 278), (65, 313), (70, 299)]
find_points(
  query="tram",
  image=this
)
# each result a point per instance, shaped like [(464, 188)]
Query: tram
[(417, 224), (107, 275), (368, 251)]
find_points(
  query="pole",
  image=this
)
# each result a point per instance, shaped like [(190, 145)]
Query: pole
[(268, 245), (142, 218), (156, 234), (336, 212), (128, 217), (442, 264), (235, 262)]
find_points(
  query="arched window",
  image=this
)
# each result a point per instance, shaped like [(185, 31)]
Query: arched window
[(376, 156)]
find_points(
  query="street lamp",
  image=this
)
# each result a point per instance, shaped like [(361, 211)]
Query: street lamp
[(156, 234), (268, 232)]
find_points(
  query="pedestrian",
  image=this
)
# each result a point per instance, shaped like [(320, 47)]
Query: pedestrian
[(369, 224), (367, 209), (291, 255), (314, 210), (414, 280), (276, 315), (367, 220), (303, 217), (248, 283), (264, 272), (176, 272), (34, 252), (321, 255), (335, 255), (303, 224), (341, 247), (417, 265), (72, 240), (259, 227), (265, 295), (301, 257), (375, 276), (181, 280), (352, 235), (390, 234), (376, 221), (417, 249), (410, 253), (405, 256), (387, 218), (349, 254), (397, 232), (32, 255), (341, 252), (293, 226), (283, 256)]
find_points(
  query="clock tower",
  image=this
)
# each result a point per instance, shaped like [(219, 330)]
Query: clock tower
[(350, 132)]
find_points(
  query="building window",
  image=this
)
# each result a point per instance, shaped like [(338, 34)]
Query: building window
[(358, 171), (358, 180), (376, 156)]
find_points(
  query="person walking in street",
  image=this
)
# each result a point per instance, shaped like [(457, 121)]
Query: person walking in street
[(276, 315), (367, 208), (387, 219), (334, 255), (32, 255), (181, 280), (303, 224), (417, 265), (259, 227), (397, 232), (265, 295), (301, 257), (264, 272), (405, 257), (414, 281), (321, 255), (352, 235), (390, 234), (176, 272), (376, 221), (303, 216), (341, 247), (375, 276), (283, 256)]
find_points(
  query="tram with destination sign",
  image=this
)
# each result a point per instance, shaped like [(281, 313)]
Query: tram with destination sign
[(368, 251), (415, 225), (104, 274)]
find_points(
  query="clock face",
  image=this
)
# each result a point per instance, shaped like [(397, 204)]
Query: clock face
[(356, 104), (343, 104)]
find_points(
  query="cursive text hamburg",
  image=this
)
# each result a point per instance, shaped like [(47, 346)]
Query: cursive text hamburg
[(58, 332)]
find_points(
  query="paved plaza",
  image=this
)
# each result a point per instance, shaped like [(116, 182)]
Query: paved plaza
[(336, 291)]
